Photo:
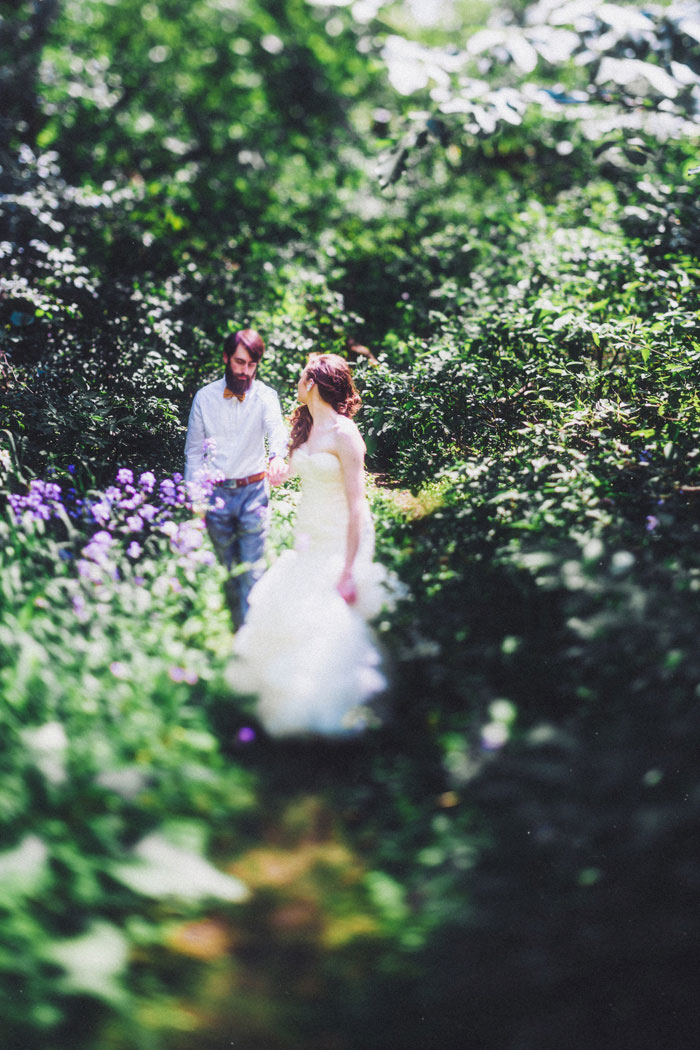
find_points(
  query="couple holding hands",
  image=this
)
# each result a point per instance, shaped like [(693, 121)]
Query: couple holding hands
[(303, 644)]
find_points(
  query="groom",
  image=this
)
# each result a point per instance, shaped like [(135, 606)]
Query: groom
[(229, 422)]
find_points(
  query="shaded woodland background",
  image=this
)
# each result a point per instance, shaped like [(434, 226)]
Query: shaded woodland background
[(502, 202)]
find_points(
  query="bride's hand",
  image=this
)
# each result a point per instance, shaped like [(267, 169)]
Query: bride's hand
[(346, 588), (277, 470)]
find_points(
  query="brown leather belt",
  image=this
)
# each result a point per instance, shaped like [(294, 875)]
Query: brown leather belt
[(238, 483)]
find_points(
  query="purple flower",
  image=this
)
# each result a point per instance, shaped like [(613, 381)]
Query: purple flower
[(204, 557), (87, 570), (652, 522), (15, 504), (187, 541), (132, 503), (134, 523), (113, 493), (101, 512), (71, 468), (183, 674), (148, 512), (134, 549), (147, 481), (170, 493), (245, 735), (40, 503), (125, 476), (98, 547)]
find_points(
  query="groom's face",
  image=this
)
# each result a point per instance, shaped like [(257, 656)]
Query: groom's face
[(240, 370)]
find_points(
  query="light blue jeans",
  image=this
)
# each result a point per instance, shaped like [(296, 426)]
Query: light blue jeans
[(238, 522)]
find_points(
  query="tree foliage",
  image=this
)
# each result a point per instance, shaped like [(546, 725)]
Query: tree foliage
[(503, 205)]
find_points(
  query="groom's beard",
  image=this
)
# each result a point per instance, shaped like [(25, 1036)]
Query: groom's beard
[(237, 384)]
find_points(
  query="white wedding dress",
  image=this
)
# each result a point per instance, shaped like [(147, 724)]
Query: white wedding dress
[(309, 657)]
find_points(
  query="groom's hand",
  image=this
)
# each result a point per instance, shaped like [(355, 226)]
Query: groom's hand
[(277, 470)]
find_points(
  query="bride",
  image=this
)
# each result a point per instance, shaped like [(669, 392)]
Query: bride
[(305, 648)]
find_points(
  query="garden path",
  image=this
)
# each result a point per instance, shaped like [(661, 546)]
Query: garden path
[(308, 939)]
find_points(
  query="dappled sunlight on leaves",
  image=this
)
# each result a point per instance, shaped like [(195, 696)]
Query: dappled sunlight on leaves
[(502, 205)]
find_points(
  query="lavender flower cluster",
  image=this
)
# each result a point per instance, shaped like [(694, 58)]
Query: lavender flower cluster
[(129, 510), (45, 500), (138, 504), (41, 503)]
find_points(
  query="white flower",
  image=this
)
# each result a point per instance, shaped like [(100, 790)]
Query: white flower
[(160, 869), (48, 745), (494, 735), (23, 867)]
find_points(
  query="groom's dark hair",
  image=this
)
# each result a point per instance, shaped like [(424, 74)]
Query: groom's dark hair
[(251, 340)]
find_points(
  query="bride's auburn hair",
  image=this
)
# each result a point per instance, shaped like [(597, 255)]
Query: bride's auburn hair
[(333, 380)]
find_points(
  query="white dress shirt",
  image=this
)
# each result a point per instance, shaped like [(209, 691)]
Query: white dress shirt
[(226, 437)]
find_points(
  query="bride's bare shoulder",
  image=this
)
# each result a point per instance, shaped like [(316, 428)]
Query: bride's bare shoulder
[(348, 436)]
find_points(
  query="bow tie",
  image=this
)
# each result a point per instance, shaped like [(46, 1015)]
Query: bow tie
[(228, 394)]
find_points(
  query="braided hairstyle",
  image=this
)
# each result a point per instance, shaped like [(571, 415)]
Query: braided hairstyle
[(333, 380)]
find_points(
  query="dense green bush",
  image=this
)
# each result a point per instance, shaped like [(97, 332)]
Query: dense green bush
[(114, 641)]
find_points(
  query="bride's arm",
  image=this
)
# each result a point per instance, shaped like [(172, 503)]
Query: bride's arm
[(351, 453)]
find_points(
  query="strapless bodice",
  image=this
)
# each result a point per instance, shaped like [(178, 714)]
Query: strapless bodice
[(322, 512), (318, 468)]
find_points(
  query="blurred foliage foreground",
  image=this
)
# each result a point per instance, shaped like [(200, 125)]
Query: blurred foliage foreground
[(511, 861)]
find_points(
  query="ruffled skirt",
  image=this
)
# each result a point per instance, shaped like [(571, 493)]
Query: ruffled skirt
[(311, 659)]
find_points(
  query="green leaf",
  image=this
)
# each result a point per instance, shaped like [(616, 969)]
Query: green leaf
[(388, 895)]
